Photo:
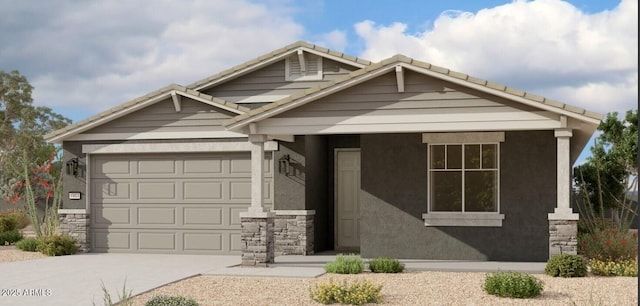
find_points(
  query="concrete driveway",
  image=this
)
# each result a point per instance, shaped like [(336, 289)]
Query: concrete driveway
[(77, 279)]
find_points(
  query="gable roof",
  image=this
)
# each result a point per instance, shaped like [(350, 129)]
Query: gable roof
[(275, 56), (139, 103), (387, 65)]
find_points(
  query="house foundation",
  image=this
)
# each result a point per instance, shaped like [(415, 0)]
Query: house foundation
[(75, 223)]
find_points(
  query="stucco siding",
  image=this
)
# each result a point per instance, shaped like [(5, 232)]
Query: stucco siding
[(394, 197), (162, 117)]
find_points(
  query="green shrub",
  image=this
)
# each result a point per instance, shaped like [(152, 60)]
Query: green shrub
[(566, 265), (345, 264), (9, 237), (611, 268), (513, 284), (29, 244), (58, 245), (355, 293), (609, 245), (385, 265), (164, 300), (8, 223)]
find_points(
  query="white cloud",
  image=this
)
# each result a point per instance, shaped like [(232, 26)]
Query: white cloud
[(95, 55), (334, 40), (548, 47)]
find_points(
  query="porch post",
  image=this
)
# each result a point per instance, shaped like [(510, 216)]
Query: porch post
[(563, 222), (257, 222)]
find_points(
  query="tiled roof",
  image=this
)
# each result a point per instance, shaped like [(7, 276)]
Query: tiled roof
[(273, 55), (398, 59), (125, 107)]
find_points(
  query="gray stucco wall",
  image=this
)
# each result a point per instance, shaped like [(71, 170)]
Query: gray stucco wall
[(73, 149), (394, 197), (289, 190)]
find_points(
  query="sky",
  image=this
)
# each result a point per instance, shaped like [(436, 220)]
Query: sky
[(83, 57)]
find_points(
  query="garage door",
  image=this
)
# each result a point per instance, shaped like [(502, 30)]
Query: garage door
[(181, 203)]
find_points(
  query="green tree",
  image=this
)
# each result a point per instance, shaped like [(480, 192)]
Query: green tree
[(611, 171), (22, 126)]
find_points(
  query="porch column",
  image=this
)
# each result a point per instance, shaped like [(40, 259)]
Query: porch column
[(563, 222), (257, 222)]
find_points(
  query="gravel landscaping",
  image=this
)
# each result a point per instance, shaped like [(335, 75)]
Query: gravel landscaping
[(409, 288)]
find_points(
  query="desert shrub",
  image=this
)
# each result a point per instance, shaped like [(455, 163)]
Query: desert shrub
[(356, 293), (611, 268), (29, 244), (58, 245), (164, 300), (8, 223), (385, 265), (345, 264), (513, 284), (566, 265), (9, 237), (609, 245)]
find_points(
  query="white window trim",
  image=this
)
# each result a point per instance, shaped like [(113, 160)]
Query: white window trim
[(312, 77), (479, 219)]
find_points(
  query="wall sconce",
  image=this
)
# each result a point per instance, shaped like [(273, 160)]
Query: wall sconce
[(284, 164), (72, 166)]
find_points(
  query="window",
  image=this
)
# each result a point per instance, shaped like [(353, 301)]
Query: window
[(463, 179)]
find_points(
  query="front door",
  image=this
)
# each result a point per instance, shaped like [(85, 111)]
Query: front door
[(347, 199)]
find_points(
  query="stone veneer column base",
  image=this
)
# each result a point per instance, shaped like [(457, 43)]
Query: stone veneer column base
[(75, 223), (257, 241), (293, 232), (563, 237)]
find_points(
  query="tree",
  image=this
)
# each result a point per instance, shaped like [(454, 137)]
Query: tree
[(611, 172), (22, 127)]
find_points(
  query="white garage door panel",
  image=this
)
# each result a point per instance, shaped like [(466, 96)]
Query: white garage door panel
[(178, 203)]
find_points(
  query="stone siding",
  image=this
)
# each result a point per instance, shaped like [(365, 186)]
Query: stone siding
[(76, 225), (563, 237), (257, 241), (293, 235)]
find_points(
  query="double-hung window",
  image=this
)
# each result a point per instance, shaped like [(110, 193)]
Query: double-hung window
[(463, 179)]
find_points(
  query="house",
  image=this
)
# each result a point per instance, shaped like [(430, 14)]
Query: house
[(305, 149)]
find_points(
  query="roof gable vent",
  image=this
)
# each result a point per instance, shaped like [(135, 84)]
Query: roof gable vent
[(303, 66)]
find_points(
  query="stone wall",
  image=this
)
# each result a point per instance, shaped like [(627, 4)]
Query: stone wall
[(563, 237), (293, 233), (76, 224), (257, 239)]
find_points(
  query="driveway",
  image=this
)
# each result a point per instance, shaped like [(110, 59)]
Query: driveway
[(77, 279)]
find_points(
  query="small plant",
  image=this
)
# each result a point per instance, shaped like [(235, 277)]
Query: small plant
[(13, 220), (566, 265), (124, 297), (345, 264), (164, 300), (58, 245), (611, 268), (29, 244), (10, 237), (513, 284), (609, 245), (385, 265), (355, 293)]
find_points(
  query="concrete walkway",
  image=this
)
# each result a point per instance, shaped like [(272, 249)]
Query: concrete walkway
[(77, 279)]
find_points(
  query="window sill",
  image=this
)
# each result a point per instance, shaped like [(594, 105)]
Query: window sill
[(463, 219)]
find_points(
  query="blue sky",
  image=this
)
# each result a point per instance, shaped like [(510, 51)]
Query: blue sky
[(84, 57)]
